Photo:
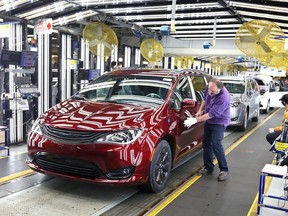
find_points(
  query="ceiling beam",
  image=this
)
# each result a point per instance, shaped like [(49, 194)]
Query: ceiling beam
[(28, 6), (230, 10), (121, 23)]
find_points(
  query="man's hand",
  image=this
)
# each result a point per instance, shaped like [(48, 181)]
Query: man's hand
[(271, 130), (189, 122)]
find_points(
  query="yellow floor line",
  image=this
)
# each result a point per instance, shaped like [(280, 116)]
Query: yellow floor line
[(253, 208), (173, 196), (16, 175), (179, 191)]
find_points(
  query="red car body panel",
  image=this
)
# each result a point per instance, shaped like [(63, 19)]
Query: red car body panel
[(157, 123)]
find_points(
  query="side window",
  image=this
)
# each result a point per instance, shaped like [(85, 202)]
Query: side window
[(176, 100), (253, 86), (183, 88), (199, 85), (272, 86), (181, 92), (249, 87)]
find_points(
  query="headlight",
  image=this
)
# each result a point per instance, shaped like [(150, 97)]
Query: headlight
[(36, 127), (121, 137), (235, 104)]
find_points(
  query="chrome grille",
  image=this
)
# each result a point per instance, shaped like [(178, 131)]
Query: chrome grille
[(68, 166), (69, 136)]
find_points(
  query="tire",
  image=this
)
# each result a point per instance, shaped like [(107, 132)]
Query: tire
[(245, 122), (256, 118), (160, 168), (267, 108)]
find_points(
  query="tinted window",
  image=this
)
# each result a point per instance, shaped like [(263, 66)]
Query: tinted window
[(260, 82), (127, 89), (183, 88), (234, 87), (253, 85), (181, 92), (249, 88)]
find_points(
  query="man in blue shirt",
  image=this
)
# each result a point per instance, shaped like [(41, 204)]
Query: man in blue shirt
[(216, 107)]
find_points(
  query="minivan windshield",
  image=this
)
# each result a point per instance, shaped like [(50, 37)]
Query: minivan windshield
[(234, 87), (126, 89)]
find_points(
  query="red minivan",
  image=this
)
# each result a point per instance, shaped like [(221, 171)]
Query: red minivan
[(125, 127)]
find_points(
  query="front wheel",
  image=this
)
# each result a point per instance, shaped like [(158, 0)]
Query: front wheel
[(256, 118), (160, 168), (245, 122)]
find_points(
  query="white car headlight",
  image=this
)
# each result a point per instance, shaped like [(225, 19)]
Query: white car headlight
[(36, 127), (121, 137)]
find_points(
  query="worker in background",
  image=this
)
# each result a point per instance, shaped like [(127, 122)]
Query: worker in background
[(275, 132), (113, 65)]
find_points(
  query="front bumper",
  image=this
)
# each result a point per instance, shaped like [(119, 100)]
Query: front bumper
[(237, 115), (99, 163)]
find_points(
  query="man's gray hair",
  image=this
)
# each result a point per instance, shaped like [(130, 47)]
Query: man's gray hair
[(218, 82)]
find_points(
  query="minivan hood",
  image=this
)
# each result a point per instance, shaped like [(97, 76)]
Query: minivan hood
[(100, 116)]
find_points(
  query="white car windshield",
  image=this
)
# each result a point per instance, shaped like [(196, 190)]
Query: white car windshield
[(234, 87)]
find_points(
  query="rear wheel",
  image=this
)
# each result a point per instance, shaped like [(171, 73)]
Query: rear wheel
[(267, 108), (160, 168)]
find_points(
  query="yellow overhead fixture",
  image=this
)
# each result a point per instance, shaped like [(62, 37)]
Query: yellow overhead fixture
[(97, 33), (256, 38), (216, 63), (275, 60), (182, 62), (152, 50)]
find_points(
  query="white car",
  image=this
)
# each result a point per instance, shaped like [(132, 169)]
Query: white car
[(267, 86)]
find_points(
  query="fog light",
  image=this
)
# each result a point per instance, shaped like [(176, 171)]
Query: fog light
[(122, 173), (234, 119)]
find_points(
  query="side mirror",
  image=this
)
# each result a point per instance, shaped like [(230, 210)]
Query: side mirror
[(189, 103)]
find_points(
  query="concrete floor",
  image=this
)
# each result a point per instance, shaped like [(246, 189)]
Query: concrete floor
[(43, 195)]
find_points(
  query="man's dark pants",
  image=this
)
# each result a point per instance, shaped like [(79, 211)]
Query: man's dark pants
[(212, 143)]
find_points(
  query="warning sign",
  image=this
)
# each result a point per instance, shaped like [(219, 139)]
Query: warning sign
[(44, 26), (280, 146)]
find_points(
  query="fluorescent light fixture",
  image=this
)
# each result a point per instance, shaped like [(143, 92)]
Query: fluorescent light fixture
[(203, 35), (206, 31), (169, 16), (279, 24), (10, 5), (106, 2), (43, 11), (179, 8), (79, 16), (58, 6), (258, 6), (219, 26), (74, 17), (178, 22), (263, 15), (207, 38)]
